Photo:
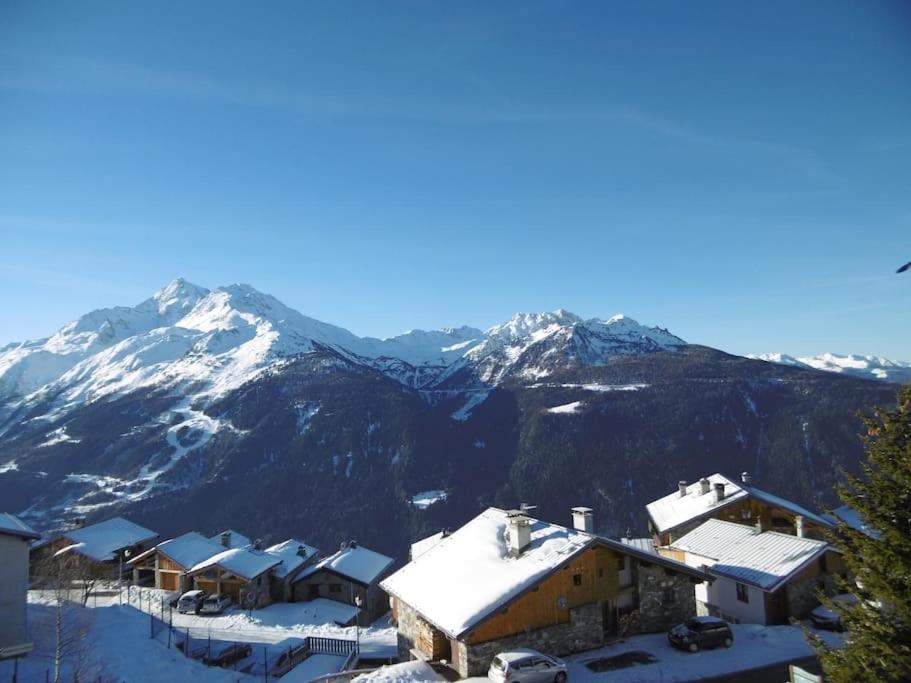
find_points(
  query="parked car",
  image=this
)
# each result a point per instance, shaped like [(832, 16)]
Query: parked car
[(191, 602), (700, 632), (228, 654), (526, 666), (825, 617), (215, 604)]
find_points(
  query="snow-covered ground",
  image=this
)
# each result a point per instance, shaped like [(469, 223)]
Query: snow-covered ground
[(754, 646), (407, 672)]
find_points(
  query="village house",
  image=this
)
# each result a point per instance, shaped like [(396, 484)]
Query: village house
[(15, 537), (505, 580), (166, 565), (241, 573), (295, 556), (348, 576), (105, 547), (717, 497), (761, 577)]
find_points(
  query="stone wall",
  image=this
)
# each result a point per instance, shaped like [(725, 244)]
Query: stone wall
[(583, 632), (801, 595), (408, 626), (665, 598)]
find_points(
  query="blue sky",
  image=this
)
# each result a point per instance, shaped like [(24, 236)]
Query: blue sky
[(737, 172)]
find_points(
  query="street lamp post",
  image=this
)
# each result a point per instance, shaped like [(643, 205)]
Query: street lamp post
[(357, 624), (124, 553)]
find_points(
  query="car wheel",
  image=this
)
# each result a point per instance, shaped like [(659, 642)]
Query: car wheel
[(728, 642), (560, 678), (693, 647)]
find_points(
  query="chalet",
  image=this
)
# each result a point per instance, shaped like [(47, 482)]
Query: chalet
[(351, 574), (761, 577), (717, 497), (166, 565), (106, 546), (295, 557), (242, 573), (15, 537), (505, 580)]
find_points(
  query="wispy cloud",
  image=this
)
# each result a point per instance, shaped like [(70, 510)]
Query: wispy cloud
[(98, 77)]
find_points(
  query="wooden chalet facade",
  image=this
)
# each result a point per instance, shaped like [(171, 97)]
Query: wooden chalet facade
[(166, 565), (563, 591), (717, 497)]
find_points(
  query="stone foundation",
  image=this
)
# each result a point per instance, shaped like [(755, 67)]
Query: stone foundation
[(665, 599), (583, 632), (802, 595)]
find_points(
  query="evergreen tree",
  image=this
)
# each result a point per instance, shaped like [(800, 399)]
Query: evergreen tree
[(878, 643)]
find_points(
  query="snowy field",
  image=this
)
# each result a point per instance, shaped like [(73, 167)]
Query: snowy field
[(112, 641)]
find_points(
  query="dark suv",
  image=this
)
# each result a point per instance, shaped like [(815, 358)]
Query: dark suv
[(700, 632)]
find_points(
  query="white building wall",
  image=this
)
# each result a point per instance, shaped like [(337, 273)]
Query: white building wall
[(722, 594), (13, 591)]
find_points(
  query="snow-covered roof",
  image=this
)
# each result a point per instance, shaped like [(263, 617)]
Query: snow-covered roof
[(674, 510), (104, 540), (764, 559), (10, 525), (187, 550), (236, 540), (418, 548), (646, 545), (354, 562), (469, 574), (288, 553), (245, 563)]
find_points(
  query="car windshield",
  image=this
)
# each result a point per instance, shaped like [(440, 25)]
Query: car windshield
[(498, 664)]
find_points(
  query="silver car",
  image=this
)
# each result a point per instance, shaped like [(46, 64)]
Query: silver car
[(526, 666), (215, 604)]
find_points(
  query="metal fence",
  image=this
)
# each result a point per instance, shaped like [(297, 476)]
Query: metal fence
[(229, 648)]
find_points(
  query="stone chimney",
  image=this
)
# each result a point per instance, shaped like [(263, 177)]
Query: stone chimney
[(719, 492), (798, 526), (746, 478), (301, 551), (704, 486), (258, 544), (226, 539), (583, 520), (681, 487), (518, 527)]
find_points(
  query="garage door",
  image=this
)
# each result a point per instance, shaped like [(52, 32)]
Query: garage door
[(169, 582)]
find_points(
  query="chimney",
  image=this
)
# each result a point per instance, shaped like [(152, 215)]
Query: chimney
[(798, 526), (719, 492), (760, 526), (301, 551), (704, 486), (518, 532), (746, 478), (681, 487), (258, 544), (583, 520), (352, 543), (446, 532), (226, 539)]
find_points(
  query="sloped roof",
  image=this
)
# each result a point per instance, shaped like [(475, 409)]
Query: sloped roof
[(674, 510), (287, 552), (10, 525), (646, 545), (763, 559), (245, 563), (852, 518), (354, 562), (420, 547), (465, 576), (468, 575), (187, 550), (238, 540), (102, 541)]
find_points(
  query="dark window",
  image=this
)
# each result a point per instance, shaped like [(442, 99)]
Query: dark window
[(577, 579), (335, 588), (667, 596), (621, 564), (742, 593)]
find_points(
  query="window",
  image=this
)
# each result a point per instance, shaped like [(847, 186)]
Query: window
[(667, 596), (577, 579), (600, 572), (823, 566), (335, 588), (742, 593), (621, 564)]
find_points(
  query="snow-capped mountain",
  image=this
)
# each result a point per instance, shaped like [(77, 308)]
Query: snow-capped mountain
[(868, 367), (211, 342)]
